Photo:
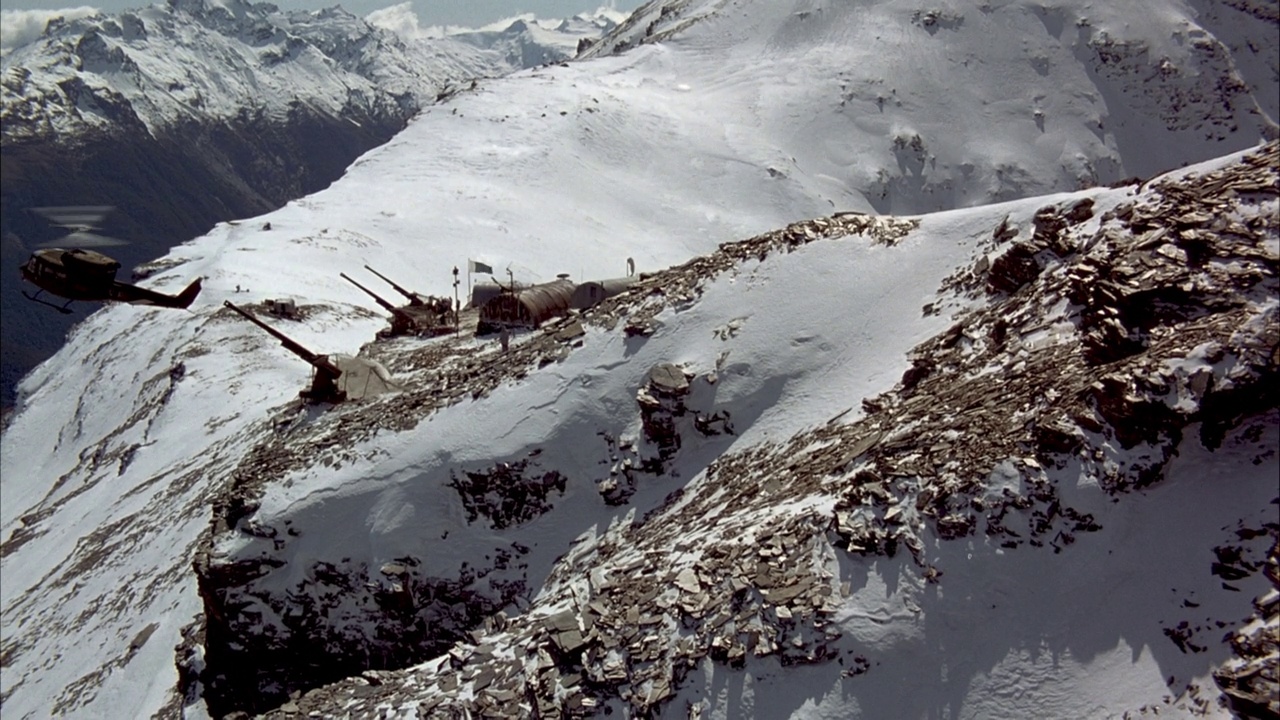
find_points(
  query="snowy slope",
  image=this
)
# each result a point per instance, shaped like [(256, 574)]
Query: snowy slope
[(198, 60), (147, 418), (952, 104)]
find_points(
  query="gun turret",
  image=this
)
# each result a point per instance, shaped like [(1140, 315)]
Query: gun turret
[(414, 298), (324, 386)]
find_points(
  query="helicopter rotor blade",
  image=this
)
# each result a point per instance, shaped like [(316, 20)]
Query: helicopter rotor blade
[(74, 216), (83, 239)]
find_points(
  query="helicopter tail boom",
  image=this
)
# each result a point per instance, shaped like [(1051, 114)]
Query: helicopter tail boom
[(188, 295), (124, 292)]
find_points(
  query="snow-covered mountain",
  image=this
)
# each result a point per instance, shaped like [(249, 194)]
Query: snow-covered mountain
[(527, 41), (996, 460), (198, 60), (919, 108)]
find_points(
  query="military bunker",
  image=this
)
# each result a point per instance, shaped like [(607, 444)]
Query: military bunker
[(526, 308)]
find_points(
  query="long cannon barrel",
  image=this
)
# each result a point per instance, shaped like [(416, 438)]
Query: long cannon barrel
[(319, 361), (413, 298), (386, 305)]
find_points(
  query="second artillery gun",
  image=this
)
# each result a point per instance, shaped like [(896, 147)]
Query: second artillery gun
[(424, 315)]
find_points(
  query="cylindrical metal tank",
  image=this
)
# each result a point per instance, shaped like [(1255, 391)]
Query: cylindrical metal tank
[(590, 293)]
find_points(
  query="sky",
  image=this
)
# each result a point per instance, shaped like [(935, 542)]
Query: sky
[(471, 13)]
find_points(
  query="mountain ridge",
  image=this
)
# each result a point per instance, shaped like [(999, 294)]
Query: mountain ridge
[(1131, 451)]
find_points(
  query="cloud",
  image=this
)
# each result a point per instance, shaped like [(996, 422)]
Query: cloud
[(19, 27), (403, 21)]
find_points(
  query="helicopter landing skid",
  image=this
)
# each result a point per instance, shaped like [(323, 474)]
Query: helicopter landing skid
[(64, 309)]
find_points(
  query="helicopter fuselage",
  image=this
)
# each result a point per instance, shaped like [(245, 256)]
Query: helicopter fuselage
[(75, 274), (79, 274)]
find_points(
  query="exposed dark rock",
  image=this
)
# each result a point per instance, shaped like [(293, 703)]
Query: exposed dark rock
[(339, 622), (639, 607), (661, 402), (508, 494), (1013, 269)]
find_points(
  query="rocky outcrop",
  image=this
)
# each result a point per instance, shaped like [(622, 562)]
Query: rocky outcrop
[(661, 402), (342, 620), (1251, 680), (965, 446), (250, 659)]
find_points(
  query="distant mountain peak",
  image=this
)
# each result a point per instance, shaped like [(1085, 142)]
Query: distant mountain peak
[(209, 58)]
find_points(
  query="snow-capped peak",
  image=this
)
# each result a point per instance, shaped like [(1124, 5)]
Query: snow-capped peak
[(211, 59)]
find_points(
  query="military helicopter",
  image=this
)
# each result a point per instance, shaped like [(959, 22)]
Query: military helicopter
[(75, 272)]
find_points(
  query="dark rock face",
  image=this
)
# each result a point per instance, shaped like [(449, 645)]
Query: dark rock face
[(661, 402), (1251, 679), (166, 190), (335, 623), (507, 494)]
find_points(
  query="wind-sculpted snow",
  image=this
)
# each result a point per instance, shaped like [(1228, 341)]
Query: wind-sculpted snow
[(927, 107)]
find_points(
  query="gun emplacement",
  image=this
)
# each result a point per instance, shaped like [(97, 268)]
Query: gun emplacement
[(324, 384)]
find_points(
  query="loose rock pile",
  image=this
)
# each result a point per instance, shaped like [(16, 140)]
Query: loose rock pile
[(632, 630), (1251, 681), (682, 285)]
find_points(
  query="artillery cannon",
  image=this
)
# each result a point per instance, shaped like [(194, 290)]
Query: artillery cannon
[(402, 322), (414, 298), (324, 383), (422, 316), (441, 306)]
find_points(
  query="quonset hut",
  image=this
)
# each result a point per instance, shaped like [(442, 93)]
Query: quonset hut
[(590, 293), (527, 308)]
